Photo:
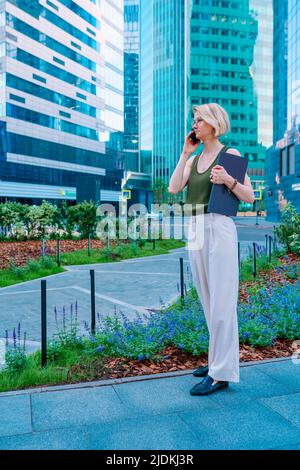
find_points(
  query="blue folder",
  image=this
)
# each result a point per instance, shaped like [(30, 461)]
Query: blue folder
[(221, 200)]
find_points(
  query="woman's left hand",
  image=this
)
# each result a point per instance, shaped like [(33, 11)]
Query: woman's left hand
[(218, 175)]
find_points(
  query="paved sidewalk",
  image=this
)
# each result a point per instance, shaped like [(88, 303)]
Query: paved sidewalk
[(157, 412)]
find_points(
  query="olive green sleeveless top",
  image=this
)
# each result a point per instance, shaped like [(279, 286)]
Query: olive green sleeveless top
[(199, 185)]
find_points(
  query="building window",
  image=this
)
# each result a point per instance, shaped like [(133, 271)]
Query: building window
[(291, 161), (283, 162)]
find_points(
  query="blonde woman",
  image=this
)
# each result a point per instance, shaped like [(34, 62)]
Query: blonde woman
[(214, 265)]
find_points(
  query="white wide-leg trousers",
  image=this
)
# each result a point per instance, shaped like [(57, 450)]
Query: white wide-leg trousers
[(215, 274)]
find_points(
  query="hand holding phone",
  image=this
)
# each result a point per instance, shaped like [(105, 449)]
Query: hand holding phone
[(191, 143), (193, 137)]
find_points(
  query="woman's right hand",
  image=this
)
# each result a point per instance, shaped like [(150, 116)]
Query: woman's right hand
[(189, 146)]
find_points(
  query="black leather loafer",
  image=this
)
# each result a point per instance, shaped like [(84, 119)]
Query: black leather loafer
[(201, 372), (205, 387)]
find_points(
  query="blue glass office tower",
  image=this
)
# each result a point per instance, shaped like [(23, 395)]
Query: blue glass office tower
[(131, 83), (62, 103), (280, 54), (283, 158), (146, 87), (200, 51)]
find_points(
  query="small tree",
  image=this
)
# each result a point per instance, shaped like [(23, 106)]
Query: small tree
[(39, 220), (288, 232), (9, 215), (82, 217)]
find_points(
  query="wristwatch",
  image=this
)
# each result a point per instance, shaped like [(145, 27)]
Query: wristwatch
[(233, 185)]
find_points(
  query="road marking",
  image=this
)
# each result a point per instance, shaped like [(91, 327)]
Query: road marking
[(32, 290), (113, 300), (129, 272)]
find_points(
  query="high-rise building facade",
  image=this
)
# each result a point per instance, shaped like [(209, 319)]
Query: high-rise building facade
[(62, 103), (280, 57), (283, 158), (131, 84), (207, 51), (146, 88), (223, 37), (262, 68)]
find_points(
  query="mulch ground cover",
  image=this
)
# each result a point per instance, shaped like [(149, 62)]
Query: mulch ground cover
[(173, 359), (21, 252)]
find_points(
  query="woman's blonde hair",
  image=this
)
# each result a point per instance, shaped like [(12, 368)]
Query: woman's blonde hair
[(215, 115)]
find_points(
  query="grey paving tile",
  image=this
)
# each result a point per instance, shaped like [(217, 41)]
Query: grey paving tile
[(76, 407), (146, 433), (15, 417), (286, 372), (253, 384), (73, 439), (246, 426), (287, 406), (162, 396)]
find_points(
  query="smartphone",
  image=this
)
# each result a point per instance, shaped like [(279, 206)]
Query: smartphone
[(194, 138)]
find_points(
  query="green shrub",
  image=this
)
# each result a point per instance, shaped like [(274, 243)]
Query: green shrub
[(288, 232), (83, 217)]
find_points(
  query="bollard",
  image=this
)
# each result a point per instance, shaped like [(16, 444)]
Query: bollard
[(172, 236), (44, 322), (43, 247), (270, 247), (181, 279), (266, 237), (58, 252), (107, 244), (153, 244), (149, 229), (93, 303), (254, 259), (274, 238), (89, 245)]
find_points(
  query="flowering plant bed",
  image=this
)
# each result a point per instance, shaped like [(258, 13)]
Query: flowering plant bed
[(175, 338)]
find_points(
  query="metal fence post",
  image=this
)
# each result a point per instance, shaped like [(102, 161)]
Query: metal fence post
[(270, 247), (89, 245), (93, 303), (254, 259), (181, 278), (274, 237), (172, 225), (58, 252), (266, 237), (44, 322)]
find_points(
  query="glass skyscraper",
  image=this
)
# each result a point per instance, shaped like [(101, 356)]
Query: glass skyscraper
[(62, 103), (283, 158), (131, 84), (263, 69), (206, 51), (280, 54), (146, 87)]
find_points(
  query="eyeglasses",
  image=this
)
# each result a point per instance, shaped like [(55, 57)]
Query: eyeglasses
[(196, 121)]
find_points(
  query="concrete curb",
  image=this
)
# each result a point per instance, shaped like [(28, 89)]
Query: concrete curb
[(108, 382)]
